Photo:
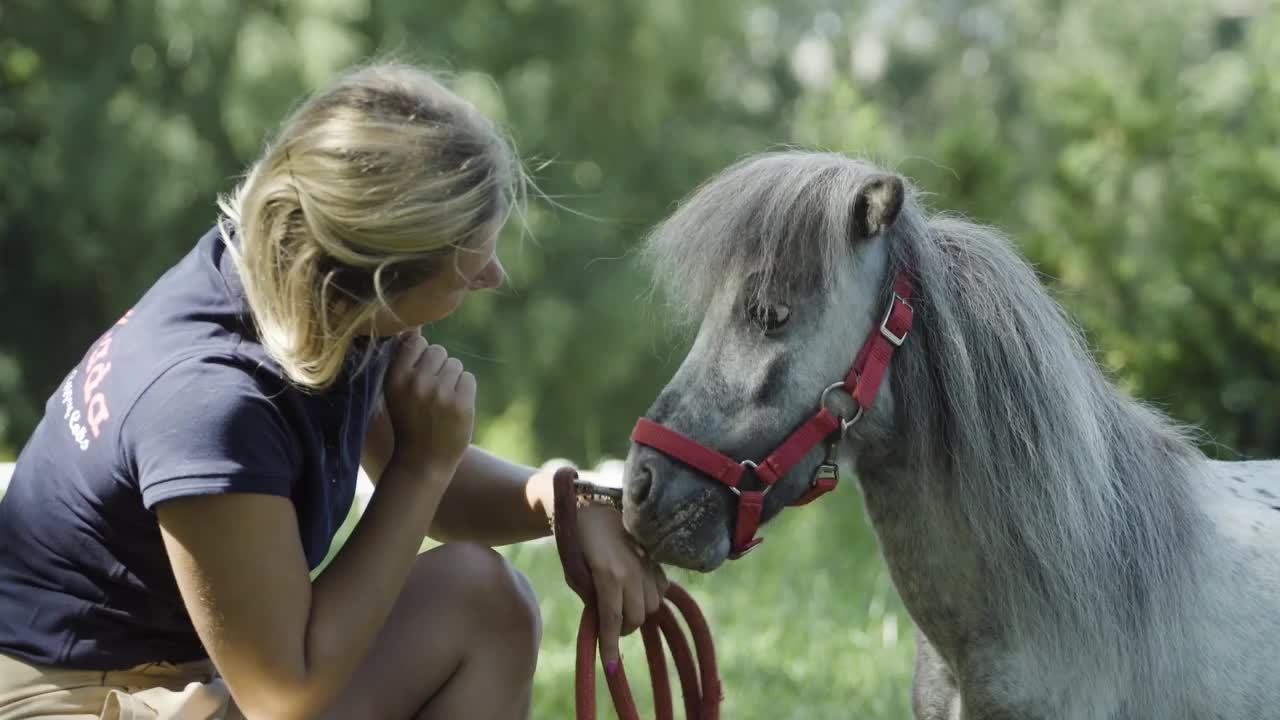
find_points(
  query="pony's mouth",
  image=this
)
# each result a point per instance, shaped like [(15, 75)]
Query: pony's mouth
[(687, 514), (680, 538), (680, 550)]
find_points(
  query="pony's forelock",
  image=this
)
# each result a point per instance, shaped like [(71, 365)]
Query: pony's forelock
[(779, 222)]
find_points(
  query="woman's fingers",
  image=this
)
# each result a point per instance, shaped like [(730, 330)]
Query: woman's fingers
[(609, 602), (433, 358), (634, 600), (652, 598), (430, 404), (466, 391), (447, 380), (659, 578), (629, 585), (408, 352)]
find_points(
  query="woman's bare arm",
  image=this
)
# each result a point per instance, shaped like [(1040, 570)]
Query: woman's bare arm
[(286, 648), (491, 500)]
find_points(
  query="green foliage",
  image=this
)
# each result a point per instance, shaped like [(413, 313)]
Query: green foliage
[(1129, 149)]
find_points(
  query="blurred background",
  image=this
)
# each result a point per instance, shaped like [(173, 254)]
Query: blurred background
[(1132, 150)]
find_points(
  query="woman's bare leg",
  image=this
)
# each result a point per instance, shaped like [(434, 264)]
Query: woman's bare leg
[(461, 641)]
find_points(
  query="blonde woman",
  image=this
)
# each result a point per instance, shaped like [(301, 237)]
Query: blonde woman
[(162, 523)]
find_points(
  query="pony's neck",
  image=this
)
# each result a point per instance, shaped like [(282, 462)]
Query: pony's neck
[(933, 560), (986, 611), (1017, 495)]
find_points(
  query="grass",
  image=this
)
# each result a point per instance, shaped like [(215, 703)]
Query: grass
[(808, 626)]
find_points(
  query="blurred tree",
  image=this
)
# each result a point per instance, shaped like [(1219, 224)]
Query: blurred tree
[(129, 116), (113, 145)]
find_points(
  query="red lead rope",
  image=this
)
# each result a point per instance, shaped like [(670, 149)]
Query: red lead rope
[(862, 383), (699, 680)]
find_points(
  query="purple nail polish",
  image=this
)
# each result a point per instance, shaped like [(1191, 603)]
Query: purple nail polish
[(611, 667)]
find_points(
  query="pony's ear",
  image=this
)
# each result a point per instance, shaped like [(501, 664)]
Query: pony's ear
[(876, 204)]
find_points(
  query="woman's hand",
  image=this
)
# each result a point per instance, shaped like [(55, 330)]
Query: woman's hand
[(629, 586), (431, 402)]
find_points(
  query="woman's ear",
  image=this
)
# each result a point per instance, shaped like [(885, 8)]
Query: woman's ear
[(876, 204)]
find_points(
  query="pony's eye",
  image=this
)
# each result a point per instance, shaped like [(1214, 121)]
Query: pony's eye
[(769, 318)]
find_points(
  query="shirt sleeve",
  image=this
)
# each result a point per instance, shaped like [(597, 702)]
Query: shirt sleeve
[(206, 427)]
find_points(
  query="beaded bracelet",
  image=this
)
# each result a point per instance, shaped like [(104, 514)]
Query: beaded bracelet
[(588, 493)]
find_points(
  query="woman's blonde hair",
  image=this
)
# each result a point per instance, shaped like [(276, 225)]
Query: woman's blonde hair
[(368, 189)]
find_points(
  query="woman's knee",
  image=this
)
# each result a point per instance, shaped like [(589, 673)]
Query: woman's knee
[(488, 592), (462, 605)]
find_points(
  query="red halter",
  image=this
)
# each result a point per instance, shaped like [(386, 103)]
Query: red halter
[(862, 383)]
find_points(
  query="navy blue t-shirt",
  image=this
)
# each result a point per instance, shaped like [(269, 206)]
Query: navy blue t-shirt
[(176, 399)]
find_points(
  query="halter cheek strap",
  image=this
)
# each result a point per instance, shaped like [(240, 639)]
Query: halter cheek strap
[(862, 383)]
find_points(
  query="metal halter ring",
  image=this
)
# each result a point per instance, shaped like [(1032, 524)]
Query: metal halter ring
[(751, 465), (845, 424)]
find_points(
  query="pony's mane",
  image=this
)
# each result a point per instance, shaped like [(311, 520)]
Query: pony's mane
[(1076, 495)]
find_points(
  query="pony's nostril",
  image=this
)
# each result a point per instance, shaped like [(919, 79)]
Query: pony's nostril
[(640, 485)]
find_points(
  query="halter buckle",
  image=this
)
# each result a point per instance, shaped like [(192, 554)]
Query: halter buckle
[(826, 476), (888, 334)]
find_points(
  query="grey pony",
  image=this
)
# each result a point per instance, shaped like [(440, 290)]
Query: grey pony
[(1064, 550)]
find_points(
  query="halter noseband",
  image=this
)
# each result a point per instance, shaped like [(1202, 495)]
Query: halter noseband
[(862, 383)]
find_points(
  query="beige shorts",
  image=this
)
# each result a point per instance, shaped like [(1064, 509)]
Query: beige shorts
[(155, 691)]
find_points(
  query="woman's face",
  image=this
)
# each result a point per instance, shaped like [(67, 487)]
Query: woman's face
[(472, 268)]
